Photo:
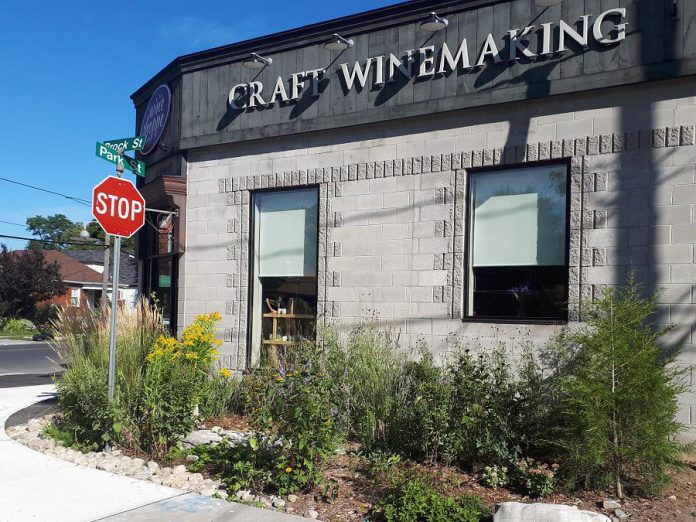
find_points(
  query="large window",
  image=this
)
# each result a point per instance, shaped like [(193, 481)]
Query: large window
[(517, 251), (284, 285)]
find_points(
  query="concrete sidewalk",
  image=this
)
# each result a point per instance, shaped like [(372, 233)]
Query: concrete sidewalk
[(34, 486)]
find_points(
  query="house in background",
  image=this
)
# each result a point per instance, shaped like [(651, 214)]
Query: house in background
[(81, 271)]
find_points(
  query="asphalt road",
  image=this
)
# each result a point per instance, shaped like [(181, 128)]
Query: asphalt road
[(27, 363)]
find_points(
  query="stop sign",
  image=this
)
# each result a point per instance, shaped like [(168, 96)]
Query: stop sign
[(118, 207)]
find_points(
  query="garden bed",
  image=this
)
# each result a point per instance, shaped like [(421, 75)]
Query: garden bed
[(355, 489)]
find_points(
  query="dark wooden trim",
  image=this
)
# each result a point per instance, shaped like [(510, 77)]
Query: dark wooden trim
[(466, 101)]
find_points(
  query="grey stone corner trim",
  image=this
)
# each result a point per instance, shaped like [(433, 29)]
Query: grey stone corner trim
[(676, 136)]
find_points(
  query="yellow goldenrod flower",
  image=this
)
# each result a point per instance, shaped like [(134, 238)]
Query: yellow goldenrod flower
[(191, 355), (225, 373)]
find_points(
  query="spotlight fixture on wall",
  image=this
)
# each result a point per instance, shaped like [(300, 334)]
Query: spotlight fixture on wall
[(434, 23), (547, 3), (338, 43), (256, 61)]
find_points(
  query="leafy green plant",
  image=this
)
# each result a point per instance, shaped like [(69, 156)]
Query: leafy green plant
[(482, 398), (159, 383), (300, 414), (19, 327), (535, 478), (419, 423), (495, 476), (367, 371), (380, 461), (223, 394), (414, 501), (60, 435), (618, 395)]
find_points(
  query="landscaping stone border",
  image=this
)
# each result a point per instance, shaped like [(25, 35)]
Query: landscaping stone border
[(30, 434)]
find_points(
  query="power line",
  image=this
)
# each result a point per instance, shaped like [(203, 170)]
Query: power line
[(12, 223), (74, 243), (72, 198)]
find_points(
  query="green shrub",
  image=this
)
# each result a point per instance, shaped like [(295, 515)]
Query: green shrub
[(475, 410), (483, 392), (59, 434), (367, 370), (536, 479), (159, 381), (19, 327), (419, 421), (45, 314), (414, 501), (618, 396), (495, 476), (381, 462), (223, 394), (298, 411)]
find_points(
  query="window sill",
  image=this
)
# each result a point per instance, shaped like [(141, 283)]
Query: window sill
[(512, 320)]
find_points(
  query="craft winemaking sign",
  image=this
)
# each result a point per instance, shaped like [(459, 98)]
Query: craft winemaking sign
[(550, 40)]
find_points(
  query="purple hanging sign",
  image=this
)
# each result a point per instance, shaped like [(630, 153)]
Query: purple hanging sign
[(155, 118)]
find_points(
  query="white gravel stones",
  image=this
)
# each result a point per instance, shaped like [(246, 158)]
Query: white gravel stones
[(312, 514), (31, 434), (611, 504)]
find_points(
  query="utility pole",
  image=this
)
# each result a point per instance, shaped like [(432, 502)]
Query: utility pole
[(105, 273)]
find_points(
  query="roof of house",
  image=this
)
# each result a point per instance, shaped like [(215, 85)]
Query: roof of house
[(128, 270), (72, 270), (73, 266)]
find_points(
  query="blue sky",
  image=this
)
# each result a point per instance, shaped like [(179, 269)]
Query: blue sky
[(69, 69)]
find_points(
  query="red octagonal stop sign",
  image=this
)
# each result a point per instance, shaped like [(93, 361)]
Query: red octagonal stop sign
[(118, 207)]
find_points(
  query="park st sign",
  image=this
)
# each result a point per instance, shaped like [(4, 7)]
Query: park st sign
[(605, 30)]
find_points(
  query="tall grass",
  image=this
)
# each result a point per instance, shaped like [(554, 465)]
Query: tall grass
[(82, 339)]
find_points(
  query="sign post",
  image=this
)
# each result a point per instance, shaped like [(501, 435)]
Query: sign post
[(120, 210)]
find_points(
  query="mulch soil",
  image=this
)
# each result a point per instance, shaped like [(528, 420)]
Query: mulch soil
[(358, 491)]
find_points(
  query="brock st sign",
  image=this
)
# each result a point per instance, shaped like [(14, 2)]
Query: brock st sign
[(529, 43)]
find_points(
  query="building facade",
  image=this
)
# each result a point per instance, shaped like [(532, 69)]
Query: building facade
[(476, 174)]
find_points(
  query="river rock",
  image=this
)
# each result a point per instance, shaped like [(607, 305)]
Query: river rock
[(519, 512), (179, 470), (610, 504), (199, 437)]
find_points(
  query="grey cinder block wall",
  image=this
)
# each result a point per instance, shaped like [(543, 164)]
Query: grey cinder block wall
[(392, 210)]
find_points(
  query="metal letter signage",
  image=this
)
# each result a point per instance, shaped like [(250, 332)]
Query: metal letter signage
[(118, 207), (554, 39), (155, 118)]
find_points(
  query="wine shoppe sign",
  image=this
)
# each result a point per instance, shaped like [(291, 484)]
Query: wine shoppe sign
[(549, 40)]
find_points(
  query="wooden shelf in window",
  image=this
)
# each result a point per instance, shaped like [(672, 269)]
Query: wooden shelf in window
[(269, 342), (288, 316)]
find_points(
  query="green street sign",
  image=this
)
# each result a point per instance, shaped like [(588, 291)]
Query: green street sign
[(110, 154), (125, 144)]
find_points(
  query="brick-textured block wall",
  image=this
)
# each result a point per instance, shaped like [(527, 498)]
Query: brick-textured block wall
[(393, 205)]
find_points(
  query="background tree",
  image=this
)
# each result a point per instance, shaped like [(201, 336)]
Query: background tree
[(95, 231), (26, 278), (52, 228), (58, 228)]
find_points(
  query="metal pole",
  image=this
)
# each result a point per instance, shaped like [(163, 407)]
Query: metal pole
[(105, 273), (114, 313)]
